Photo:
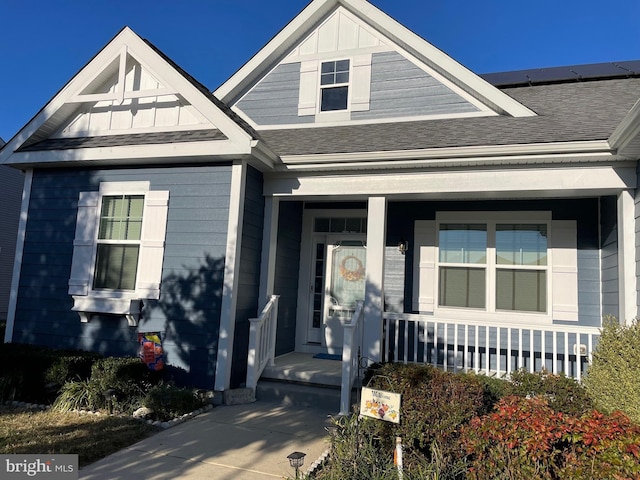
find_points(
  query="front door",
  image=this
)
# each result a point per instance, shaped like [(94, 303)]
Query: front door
[(344, 287), (338, 280)]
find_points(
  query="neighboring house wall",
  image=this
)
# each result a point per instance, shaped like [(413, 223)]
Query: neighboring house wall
[(249, 272), (609, 242), (188, 311), (286, 273), (11, 181)]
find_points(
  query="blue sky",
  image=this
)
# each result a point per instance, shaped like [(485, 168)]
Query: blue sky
[(43, 43)]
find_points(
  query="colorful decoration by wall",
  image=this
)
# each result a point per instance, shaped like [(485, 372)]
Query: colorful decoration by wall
[(150, 350)]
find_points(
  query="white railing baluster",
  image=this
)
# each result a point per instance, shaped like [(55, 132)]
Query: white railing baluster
[(532, 356), (498, 352), (543, 349), (487, 349), (555, 353), (566, 354), (434, 359), (476, 353), (520, 359), (509, 346), (416, 334), (406, 341), (465, 354), (445, 338)]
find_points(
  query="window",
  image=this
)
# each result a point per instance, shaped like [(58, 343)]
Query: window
[(118, 245), (334, 85), (494, 266), (118, 249)]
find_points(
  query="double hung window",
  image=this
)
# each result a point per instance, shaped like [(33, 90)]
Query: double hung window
[(493, 266), (334, 85), (118, 244)]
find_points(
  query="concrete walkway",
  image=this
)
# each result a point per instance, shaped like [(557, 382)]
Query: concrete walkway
[(240, 442)]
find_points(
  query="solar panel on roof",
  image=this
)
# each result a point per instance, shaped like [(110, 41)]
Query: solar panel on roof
[(564, 74)]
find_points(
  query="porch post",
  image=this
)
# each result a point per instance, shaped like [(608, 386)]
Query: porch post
[(374, 289), (269, 244), (627, 288)]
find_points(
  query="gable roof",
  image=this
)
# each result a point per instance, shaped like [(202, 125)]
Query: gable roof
[(318, 10), (131, 81)]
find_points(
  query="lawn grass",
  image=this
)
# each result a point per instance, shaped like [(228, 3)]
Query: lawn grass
[(91, 437)]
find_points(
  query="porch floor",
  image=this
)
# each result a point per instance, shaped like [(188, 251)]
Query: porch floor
[(303, 368)]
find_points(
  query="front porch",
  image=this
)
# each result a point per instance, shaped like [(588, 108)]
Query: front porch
[(471, 346)]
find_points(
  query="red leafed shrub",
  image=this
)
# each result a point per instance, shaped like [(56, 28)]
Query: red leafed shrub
[(525, 438)]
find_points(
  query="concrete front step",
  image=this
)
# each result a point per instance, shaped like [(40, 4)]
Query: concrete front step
[(291, 393)]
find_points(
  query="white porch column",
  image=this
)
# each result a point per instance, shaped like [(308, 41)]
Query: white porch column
[(231, 277), (627, 287), (374, 289), (269, 244)]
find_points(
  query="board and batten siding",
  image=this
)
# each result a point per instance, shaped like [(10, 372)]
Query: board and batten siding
[(249, 275), (400, 89), (11, 182), (188, 311)]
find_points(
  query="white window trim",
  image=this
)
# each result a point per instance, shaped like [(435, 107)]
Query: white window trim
[(89, 301), (490, 219), (334, 115), (562, 255)]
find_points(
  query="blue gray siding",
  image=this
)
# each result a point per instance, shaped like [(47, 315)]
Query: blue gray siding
[(609, 266), (11, 181), (188, 311), (400, 89), (249, 274), (286, 274), (274, 101)]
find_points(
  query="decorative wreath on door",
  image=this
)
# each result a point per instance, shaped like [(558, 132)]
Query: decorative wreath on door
[(351, 269)]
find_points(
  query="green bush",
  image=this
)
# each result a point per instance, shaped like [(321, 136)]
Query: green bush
[(168, 401), (128, 377), (613, 378), (563, 394), (34, 374), (77, 395)]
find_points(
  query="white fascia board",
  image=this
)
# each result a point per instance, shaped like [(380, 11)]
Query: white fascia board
[(274, 50), (438, 60), (478, 183), (596, 147), (210, 149), (628, 129)]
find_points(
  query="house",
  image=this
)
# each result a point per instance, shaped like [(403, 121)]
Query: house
[(10, 197), (351, 190)]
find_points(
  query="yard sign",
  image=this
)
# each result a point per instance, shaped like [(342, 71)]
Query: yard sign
[(380, 404)]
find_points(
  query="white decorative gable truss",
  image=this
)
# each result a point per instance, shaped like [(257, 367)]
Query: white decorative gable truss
[(130, 104)]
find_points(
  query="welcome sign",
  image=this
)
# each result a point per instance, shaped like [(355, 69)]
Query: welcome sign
[(380, 404)]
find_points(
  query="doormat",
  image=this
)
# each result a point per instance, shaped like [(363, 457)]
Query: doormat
[(328, 356)]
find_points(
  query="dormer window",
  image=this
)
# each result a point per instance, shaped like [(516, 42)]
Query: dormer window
[(334, 85)]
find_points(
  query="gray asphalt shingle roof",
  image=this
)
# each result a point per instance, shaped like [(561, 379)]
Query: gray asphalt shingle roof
[(577, 111)]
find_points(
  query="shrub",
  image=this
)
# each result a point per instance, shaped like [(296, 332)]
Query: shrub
[(168, 401), (127, 376), (435, 405), (563, 394), (613, 378), (76, 395), (34, 374), (525, 438)]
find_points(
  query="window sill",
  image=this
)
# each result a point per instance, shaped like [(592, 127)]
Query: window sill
[(87, 306)]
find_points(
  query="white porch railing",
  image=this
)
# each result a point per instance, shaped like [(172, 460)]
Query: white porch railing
[(488, 348), (262, 341), (350, 357)]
